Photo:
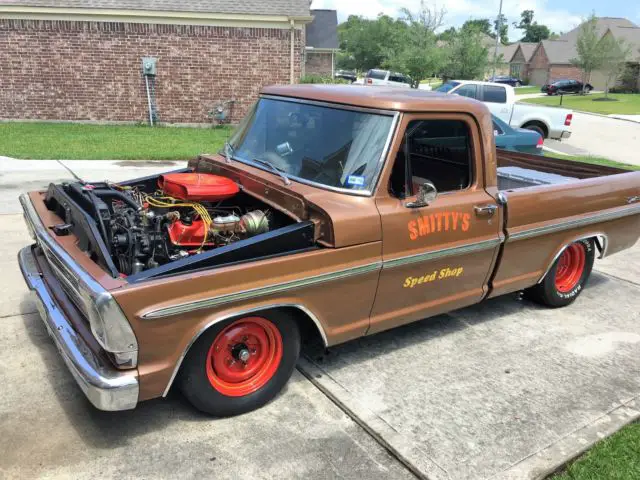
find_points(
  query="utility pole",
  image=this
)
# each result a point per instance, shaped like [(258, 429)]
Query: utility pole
[(495, 53)]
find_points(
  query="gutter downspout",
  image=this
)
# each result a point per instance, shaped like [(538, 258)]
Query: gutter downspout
[(292, 74)]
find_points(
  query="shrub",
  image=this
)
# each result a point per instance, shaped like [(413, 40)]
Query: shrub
[(322, 79)]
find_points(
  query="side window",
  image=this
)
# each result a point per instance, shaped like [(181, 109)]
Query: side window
[(469, 90), (494, 94), (377, 74), (396, 78), (438, 151)]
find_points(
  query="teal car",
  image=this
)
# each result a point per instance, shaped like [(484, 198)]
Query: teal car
[(516, 139)]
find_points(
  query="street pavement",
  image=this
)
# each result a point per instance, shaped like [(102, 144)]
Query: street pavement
[(600, 136), (505, 389)]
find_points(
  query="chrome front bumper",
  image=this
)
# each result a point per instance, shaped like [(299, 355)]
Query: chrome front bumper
[(106, 387)]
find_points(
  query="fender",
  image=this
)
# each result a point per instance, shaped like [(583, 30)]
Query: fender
[(238, 313), (603, 244)]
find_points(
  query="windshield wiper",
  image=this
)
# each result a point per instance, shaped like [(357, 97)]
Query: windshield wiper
[(228, 151), (275, 169)]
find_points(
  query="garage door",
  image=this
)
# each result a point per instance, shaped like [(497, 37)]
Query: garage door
[(538, 76)]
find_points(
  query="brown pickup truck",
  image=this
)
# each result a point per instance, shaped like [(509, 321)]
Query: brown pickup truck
[(333, 212)]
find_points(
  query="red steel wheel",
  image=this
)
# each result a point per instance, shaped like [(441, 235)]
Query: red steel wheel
[(571, 266), (244, 356)]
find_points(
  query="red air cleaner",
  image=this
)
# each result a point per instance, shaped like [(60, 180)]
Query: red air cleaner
[(198, 187)]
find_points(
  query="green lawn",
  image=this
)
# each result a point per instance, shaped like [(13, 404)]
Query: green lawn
[(71, 141), (527, 90), (615, 458), (594, 161), (627, 104)]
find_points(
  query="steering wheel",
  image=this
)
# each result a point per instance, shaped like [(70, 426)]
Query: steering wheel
[(279, 162)]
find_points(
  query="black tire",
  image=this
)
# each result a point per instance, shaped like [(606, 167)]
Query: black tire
[(195, 384), (547, 293), (536, 128)]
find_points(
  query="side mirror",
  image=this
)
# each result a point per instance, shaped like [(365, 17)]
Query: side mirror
[(427, 193)]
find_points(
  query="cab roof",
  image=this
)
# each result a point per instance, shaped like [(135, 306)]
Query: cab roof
[(382, 98)]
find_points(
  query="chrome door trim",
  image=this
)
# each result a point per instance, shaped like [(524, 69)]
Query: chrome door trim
[(239, 313), (603, 253), (443, 253), (580, 222), (260, 291)]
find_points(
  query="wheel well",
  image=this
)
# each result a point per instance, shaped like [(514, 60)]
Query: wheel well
[(600, 240), (540, 124), (310, 330)]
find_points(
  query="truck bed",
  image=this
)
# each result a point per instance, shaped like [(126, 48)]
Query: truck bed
[(523, 170)]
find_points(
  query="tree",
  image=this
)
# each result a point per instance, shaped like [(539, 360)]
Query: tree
[(501, 27), (533, 32), (418, 55), (467, 58), (481, 24), (615, 54), (365, 43), (590, 49)]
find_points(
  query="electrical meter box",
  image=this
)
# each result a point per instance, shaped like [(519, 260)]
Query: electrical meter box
[(149, 65)]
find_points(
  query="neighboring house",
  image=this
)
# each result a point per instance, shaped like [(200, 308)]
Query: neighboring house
[(82, 60), (504, 54), (322, 43), (520, 60), (551, 59)]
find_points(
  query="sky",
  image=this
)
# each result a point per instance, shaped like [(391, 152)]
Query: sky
[(559, 16)]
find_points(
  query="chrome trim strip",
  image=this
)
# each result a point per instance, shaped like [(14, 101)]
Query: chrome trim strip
[(443, 253), (259, 292), (105, 387), (581, 222), (605, 244), (238, 314), (338, 106)]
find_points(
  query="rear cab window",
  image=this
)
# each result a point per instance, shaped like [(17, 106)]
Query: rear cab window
[(494, 94), (377, 74)]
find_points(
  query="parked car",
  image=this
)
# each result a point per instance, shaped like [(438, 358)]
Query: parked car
[(387, 78), (506, 80), (331, 214), (549, 122), (516, 139), (348, 75), (565, 86)]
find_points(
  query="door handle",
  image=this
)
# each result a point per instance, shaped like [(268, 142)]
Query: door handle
[(485, 210)]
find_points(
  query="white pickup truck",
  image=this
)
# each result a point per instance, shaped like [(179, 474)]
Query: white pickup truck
[(550, 122)]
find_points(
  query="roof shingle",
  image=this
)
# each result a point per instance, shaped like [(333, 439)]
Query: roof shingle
[(248, 7), (323, 31)]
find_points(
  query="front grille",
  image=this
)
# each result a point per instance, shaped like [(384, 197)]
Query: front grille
[(67, 280)]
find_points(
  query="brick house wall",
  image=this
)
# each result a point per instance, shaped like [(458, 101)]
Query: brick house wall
[(78, 70), (561, 72), (319, 63)]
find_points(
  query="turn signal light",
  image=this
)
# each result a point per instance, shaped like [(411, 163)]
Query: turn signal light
[(540, 142), (567, 121)]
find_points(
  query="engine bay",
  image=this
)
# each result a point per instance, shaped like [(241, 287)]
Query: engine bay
[(145, 224)]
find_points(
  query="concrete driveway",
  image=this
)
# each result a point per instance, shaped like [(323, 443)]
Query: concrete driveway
[(505, 389), (599, 136)]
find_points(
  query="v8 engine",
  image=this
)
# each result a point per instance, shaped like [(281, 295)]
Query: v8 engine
[(178, 216)]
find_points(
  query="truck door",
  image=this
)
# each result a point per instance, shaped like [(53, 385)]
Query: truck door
[(437, 257)]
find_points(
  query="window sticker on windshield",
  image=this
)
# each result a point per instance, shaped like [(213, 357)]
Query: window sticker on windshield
[(355, 180)]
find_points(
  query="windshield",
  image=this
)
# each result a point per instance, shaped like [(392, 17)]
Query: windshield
[(447, 87), (333, 147)]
